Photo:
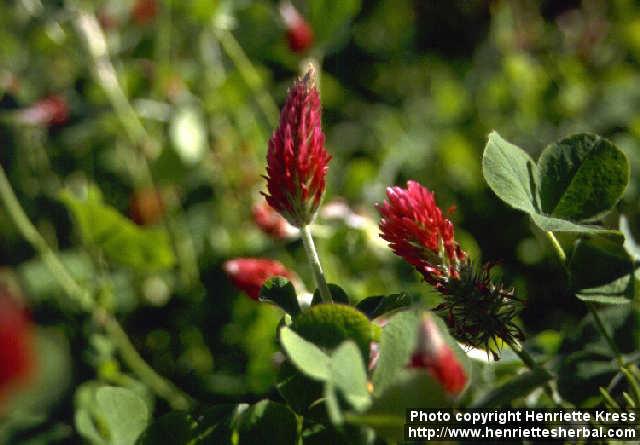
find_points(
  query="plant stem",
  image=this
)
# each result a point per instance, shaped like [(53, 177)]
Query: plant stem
[(163, 388), (249, 74), (314, 261), (535, 366), (562, 256), (158, 384), (29, 232), (107, 78)]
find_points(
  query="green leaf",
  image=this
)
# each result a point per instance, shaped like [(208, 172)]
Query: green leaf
[(550, 224), (307, 357), (410, 389), (581, 177), (587, 360), (514, 177), (396, 346), (212, 425), (328, 325), (602, 270), (338, 295), (379, 305), (297, 389), (120, 239), (511, 174), (281, 292), (516, 388), (124, 413), (267, 421), (349, 375)]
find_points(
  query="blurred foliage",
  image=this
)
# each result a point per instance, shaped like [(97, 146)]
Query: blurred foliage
[(182, 98)]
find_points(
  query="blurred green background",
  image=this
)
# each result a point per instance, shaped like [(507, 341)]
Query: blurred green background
[(181, 98)]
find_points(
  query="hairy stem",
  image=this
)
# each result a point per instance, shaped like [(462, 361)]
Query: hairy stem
[(75, 292), (314, 261)]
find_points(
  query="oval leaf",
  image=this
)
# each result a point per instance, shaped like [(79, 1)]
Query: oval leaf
[(581, 177)]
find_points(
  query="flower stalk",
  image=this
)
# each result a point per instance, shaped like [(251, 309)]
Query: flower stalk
[(316, 267)]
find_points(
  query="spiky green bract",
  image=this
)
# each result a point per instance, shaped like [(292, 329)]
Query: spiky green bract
[(479, 312)]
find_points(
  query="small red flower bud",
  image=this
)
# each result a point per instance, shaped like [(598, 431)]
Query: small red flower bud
[(144, 11), (299, 32), (249, 274), (297, 161), (17, 358), (146, 207), (435, 355), (270, 221), (50, 111), (414, 226)]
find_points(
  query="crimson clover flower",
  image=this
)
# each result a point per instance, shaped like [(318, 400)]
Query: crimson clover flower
[(477, 310), (434, 354), (299, 32), (17, 358), (249, 274), (297, 161), (417, 231)]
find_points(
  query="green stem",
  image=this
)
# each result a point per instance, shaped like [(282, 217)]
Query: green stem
[(599, 324), (314, 261), (158, 384), (249, 74), (29, 232), (163, 388), (107, 78), (530, 362), (562, 256)]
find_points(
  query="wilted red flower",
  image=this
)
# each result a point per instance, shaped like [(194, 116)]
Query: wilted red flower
[(17, 357), (146, 206), (270, 221), (144, 11), (434, 354), (414, 226), (249, 274), (297, 161), (299, 32), (50, 111)]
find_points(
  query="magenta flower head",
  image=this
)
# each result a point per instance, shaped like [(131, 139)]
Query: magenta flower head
[(417, 231), (479, 312), (297, 161)]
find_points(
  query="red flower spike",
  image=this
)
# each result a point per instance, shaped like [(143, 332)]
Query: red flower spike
[(17, 357), (434, 354), (270, 221), (249, 274), (51, 111), (417, 231), (297, 161), (299, 32)]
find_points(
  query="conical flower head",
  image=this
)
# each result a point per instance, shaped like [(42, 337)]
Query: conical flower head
[(297, 161), (249, 274), (417, 231), (434, 354)]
